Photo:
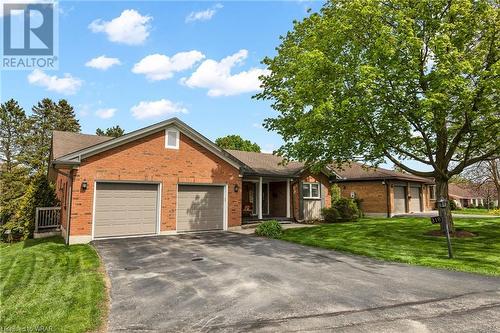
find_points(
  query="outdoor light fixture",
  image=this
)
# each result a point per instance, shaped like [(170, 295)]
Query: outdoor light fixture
[(442, 203), (84, 184), (236, 188)]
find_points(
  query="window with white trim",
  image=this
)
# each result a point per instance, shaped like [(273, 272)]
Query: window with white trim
[(310, 191), (172, 138)]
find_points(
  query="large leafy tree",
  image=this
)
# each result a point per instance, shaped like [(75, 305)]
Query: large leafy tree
[(115, 131), (236, 142), (390, 80), (46, 117)]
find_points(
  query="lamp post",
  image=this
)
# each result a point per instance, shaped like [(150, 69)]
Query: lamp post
[(442, 204)]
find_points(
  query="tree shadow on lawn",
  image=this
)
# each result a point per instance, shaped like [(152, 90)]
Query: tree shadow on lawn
[(403, 240)]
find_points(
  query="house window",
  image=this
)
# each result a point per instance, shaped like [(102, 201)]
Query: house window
[(432, 192), (310, 191), (172, 138)]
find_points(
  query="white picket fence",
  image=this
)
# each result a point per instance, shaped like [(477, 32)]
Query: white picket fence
[(47, 218)]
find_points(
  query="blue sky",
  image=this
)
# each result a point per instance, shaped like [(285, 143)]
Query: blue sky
[(141, 44), (133, 64)]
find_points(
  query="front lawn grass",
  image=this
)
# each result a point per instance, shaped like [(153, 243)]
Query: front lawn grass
[(475, 211), (46, 286), (403, 240)]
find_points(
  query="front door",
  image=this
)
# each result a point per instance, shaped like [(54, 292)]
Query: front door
[(265, 198)]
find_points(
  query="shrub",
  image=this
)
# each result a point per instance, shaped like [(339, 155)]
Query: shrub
[(11, 232), (344, 209), (40, 193), (335, 192), (494, 211), (453, 205), (271, 229)]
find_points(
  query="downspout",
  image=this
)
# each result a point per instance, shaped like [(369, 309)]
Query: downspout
[(68, 209)]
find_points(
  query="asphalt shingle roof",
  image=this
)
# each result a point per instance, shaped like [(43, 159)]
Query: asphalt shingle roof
[(358, 171), (266, 164), (64, 143)]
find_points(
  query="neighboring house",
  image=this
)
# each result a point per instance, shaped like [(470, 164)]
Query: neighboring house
[(468, 195), (385, 192), (168, 178)]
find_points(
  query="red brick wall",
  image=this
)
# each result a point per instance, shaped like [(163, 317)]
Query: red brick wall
[(147, 159), (60, 179), (373, 194)]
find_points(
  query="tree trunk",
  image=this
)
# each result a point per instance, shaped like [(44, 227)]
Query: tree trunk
[(444, 213)]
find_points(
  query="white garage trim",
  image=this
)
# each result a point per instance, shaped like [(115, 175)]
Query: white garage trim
[(158, 205), (225, 209)]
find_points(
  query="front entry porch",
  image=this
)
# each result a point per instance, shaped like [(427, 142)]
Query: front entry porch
[(265, 199)]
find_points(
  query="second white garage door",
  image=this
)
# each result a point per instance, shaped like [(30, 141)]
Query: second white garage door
[(200, 207)]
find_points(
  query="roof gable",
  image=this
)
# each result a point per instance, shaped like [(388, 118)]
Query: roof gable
[(79, 154)]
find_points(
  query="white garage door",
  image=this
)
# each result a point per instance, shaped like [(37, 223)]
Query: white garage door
[(200, 207), (399, 200), (125, 209), (415, 203)]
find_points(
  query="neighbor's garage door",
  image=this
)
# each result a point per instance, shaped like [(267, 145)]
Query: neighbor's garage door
[(200, 207), (415, 203), (125, 209), (399, 200)]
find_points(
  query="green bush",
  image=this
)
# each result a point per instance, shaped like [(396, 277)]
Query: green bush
[(11, 232), (344, 209), (271, 229), (453, 205), (40, 193)]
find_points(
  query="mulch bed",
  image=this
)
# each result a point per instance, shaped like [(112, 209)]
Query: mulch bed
[(456, 234)]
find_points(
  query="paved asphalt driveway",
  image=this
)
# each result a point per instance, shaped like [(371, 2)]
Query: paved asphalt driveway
[(244, 283)]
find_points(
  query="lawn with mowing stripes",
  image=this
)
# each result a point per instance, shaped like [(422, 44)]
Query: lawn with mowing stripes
[(404, 240), (48, 286)]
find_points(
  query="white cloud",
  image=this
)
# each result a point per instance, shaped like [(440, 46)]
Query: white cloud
[(203, 15), (105, 113), (217, 77), (151, 109), (67, 84), (129, 28), (257, 125), (160, 67), (102, 62)]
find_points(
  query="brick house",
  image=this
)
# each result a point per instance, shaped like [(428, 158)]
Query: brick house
[(168, 178), (472, 195), (385, 192)]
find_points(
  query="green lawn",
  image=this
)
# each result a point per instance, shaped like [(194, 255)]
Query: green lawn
[(46, 286), (403, 240), (475, 211)]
